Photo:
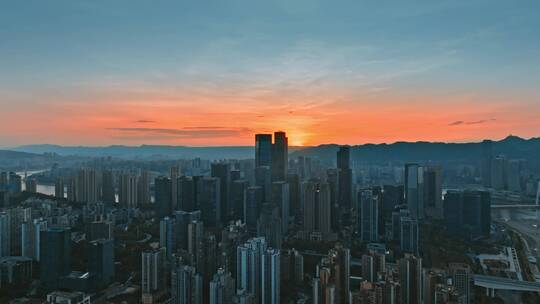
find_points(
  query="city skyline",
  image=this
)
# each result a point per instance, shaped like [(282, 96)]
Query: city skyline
[(195, 74)]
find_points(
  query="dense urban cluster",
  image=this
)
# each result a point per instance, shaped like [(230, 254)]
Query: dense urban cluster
[(268, 230)]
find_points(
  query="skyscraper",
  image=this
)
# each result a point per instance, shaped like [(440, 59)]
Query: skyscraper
[(345, 177), (270, 275), (317, 218), (167, 238), (128, 190), (269, 225), (59, 187), (263, 179), (249, 263), (487, 156), (55, 256), (143, 188), (186, 285), (332, 283), (5, 235), (280, 199), (369, 216), (222, 288), (152, 271), (209, 201), (163, 199), (410, 279), (183, 218), (101, 262), (280, 159), (187, 193), (223, 172), (263, 150), (108, 191), (254, 202), (409, 235), (414, 190), (433, 192), (31, 237), (238, 198)]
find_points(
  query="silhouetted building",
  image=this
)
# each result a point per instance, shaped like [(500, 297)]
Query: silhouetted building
[(55, 256), (223, 172), (209, 201), (317, 218), (263, 150), (345, 182), (280, 159), (369, 216), (101, 262), (410, 279), (414, 190)]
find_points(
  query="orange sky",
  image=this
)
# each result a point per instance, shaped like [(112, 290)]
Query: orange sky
[(232, 118)]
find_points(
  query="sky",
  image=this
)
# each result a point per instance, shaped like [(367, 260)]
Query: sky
[(213, 73)]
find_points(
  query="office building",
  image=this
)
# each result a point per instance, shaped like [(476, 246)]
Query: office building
[(410, 279), (270, 275), (163, 198), (223, 172), (281, 199), (409, 235), (263, 150), (54, 256), (209, 201), (414, 190), (317, 217), (249, 258), (368, 220), (101, 262), (345, 178), (186, 285), (280, 159), (152, 275)]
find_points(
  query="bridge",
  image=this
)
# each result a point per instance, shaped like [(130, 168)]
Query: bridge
[(516, 206), (491, 283)]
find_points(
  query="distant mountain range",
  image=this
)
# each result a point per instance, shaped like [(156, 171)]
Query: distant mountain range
[(511, 146)]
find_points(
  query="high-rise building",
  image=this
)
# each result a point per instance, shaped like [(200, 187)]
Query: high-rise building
[(128, 190), (222, 288), (238, 198), (175, 174), (143, 188), (5, 235), (467, 213), (186, 285), (167, 238), (254, 202), (369, 216), (31, 237), (410, 279), (209, 201), (317, 217), (152, 271), (30, 184), (433, 192), (487, 156), (270, 275), (108, 191), (499, 172), (409, 235), (187, 193), (249, 259), (333, 275), (59, 187), (223, 172), (414, 190), (269, 225), (293, 180), (183, 218), (345, 177), (263, 150), (101, 262), (87, 186), (263, 179), (55, 256), (163, 199), (280, 199), (280, 159)]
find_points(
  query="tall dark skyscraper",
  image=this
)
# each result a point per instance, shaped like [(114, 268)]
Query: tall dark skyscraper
[(163, 202), (410, 279), (223, 172), (187, 193), (263, 150), (280, 159), (433, 192), (101, 262), (108, 187), (183, 219), (345, 177), (414, 190), (55, 256), (468, 213), (238, 198), (209, 197)]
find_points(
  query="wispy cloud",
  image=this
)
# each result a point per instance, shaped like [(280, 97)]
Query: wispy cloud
[(474, 122), (145, 121), (187, 132)]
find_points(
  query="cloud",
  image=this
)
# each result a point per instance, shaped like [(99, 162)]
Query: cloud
[(145, 121), (474, 122), (186, 133)]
